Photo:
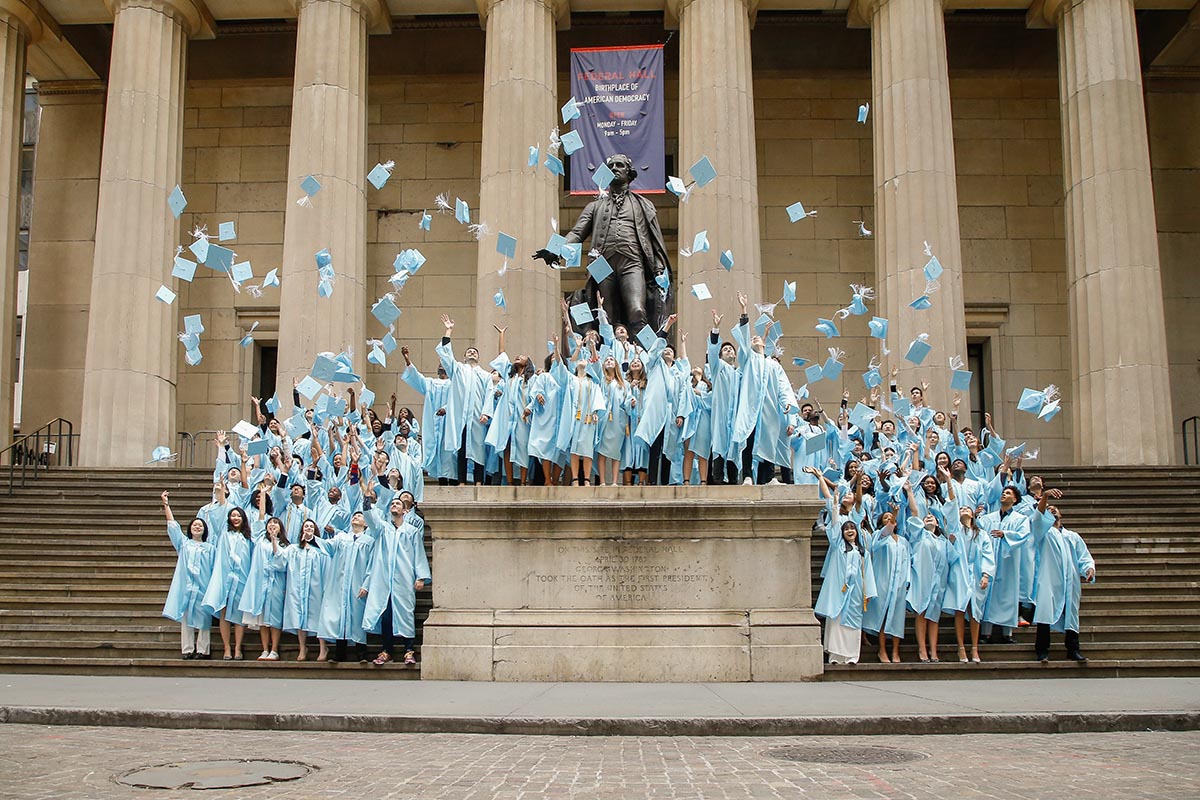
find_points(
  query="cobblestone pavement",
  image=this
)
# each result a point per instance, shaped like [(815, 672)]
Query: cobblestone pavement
[(61, 762)]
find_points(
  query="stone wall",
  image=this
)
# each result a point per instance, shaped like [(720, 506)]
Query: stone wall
[(1173, 115)]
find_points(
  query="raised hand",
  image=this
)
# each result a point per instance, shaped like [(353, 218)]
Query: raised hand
[(599, 300), (895, 371), (741, 298), (447, 323), (717, 318), (499, 329)]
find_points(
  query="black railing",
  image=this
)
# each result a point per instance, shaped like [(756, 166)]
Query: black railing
[(191, 443), (1194, 423), (52, 445)]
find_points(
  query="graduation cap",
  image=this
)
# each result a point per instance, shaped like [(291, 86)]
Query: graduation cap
[(177, 203), (702, 172), (409, 260), (377, 356), (603, 177), (571, 142), (581, 313), (323, 368), (555, 244), (183, 269), (918, 349), (600, 269), (789, 293), (861, 416), (827, 327), (663, 280), (933, 269), (878, 326), (535, 154), (385, 310), (426, 221), (677, 187), (218, 258), (814, 373), (1031, 401), (727, 259), (796, 212), (226, 231), (832, 370), (814, 440), (258, 447), (572, 254), (193, 324), (388, 343), (380, 174), (199, 248), (271, 278), (553, 164), (570, 111), (242, 272), (296, 425), (863, 110), (248, 339), (700, 242), (165, 295), (872, 378), (647, 337), (498, 298), (462, 212), (506, 245), (310, 186), (162, 453)]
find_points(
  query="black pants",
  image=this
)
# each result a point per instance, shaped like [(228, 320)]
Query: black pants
[(463, 462), (748, 457), (1042, 645), (385, 628), (722, 472), (339, 650), (660, 465)]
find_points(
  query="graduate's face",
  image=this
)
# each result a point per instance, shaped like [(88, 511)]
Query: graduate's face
[(358, 522), (888, 518), (394, 477), (669, 354), (442, 373), (756, 344), (235, 518), (970, 439), (849, 533), (889, 453), (966, 516), (916, 395), (888, 428), (1008, 498), (273, 528), (852, 468), (931, 438), (376, 427), (235, 475), (1055, 513), (297, 494), (472, 355), (273, 426), (728, 353), (942, 461), (864, 481), (930, 522), (1035, 483), (610, 365), (914, 424), (407, 500), (196, 529), (858, 448), (308, 531), (621, 334), (335, 495)]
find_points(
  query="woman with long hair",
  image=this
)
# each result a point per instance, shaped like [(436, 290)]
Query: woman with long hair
[(697, 429), (193, 570), (928, 579), (970, 580), (635, 457), (305, 563), (262, 601), (845, 593), (890, 560), (614, 423), (230, 570)]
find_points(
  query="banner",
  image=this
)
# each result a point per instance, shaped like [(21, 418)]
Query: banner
[(619, 91)]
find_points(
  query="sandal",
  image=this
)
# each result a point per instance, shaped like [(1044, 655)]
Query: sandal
[(381, 659), (227, 657)]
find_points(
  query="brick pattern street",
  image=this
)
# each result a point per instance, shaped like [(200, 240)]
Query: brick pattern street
[(62, 762)]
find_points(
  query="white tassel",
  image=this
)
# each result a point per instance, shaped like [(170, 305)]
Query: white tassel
[(503, 269), (555, 142), (685, 252), (928, 250), (479, 230), (1050, 394), (873, 363), (865, 292), (255, 291), (842, 313), (956, 362), (305, 202), (443, 203), (836, 353), (931, 287)]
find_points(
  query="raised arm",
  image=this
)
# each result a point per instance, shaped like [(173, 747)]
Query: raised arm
[(166, 504)]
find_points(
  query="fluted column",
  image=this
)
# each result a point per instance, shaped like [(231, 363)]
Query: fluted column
[(1119, 376), (916, 200), (716, 119), (329, 142), (519, 96), (129, 374), (17, 25)]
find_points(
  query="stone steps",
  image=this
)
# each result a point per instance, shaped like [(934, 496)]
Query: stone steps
[(177, 667)]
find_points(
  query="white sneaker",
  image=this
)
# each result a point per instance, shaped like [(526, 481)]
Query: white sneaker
[(265, 654), (774, 482), (272, 656), (747, 482)]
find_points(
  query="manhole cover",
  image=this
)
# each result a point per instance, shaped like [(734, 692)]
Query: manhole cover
[(817, 754), (223, 774)]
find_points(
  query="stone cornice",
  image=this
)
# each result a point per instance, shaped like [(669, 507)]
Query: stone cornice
[(560, 9), (379, 17), (193, 15), (69, 88), (29, 14)]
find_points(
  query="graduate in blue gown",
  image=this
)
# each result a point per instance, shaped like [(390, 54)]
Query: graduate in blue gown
[(305, 562), (439, 460), (398, 568), (230, 570), (657, 402), (342, 608), (697, 430), (579, 413), (970, 578), (1010, 532), (614, 423), (262, 601), (542, 413), (932, 555), (635, 456), (193, 570), (466, 429), (1063, 563), (890, 560), (845, 593), (725, 374)]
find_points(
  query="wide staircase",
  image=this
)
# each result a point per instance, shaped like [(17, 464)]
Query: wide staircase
[(1141, 617), (85, 564)]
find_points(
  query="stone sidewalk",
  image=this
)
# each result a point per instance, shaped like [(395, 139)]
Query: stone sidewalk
[(731, 709)]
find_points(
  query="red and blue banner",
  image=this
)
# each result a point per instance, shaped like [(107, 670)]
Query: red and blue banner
[(619, 91)]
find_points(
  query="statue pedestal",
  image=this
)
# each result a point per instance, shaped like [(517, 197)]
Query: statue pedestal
[(648, 584)]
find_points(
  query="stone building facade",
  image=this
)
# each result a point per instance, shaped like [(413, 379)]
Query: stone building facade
[(1049, 155)]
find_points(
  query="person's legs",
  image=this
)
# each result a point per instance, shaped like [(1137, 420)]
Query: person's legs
[(959, 631), (203, 641), (1041, 646), (303, 637), (407, 646), (585, 477), (766, 473), (922, 653), (223, 627), (339, 650), (785, 475), (462, 457), (1071, 640), (975, 639), (239, 631), (931, 628), (656, 458), (385, 630), (276, 635), (748, 459), (703, 471), (187, 639), (688, 458)]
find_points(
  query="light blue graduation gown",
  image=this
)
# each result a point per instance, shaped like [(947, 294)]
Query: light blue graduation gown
[(752, 390), (341, 607), (636, 453), (726, 380), (1062, 560), (193, 571), (929, 575), (579, 412), (543, 417), (658, 398), (305, 585), (977, 558), (849, 582), (231, 567), (265, 584), (890, 557), (614, 421), (397, 562), (292, 516), (697, 430), (1003, 600), (468, 387), (438, 461)]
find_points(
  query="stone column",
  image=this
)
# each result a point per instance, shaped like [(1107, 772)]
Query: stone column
[(18, 25), (916, 200), (61, 249), (1119, 375), (716, 119), (329, 142), (519, 95), (129, 374)]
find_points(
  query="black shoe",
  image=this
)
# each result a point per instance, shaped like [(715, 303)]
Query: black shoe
[(1078, 657), (188, 656), (1000, 640), (1043, 657)]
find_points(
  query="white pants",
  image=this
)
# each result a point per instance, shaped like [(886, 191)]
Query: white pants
[(841, 642), (194, 640)]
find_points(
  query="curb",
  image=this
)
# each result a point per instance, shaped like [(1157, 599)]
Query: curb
[(1047, 722)]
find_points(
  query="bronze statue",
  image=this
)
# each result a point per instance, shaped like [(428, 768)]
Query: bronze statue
[(624, 229)]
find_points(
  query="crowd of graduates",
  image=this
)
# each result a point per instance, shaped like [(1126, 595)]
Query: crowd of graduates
[(315, 526)]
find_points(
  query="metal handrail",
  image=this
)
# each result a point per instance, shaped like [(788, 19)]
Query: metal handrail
[(192, 441), (1194, 421), (38, 449)]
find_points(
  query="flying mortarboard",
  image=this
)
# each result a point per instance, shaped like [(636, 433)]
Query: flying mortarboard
[(553, 164), (242, 272), (193, 324), (380, 174), (700, 291), (600, 269), (814, 373), (183, 269), (385, 310), (702, 172), (271, 278), (570, 111), (878, 327), (918, 349), (581, 313), (310, 186), (796, 212), (727, 259), (933, 269), (571, 141), (498, 298), (462, 212), (603, 177), (218, 258), (827, 327), (789, 293), (506, 245), (226, 231), (572, 253), (176, 202), (961, 380), (647, 337), (863, 110), (700, 242), (165, 295)]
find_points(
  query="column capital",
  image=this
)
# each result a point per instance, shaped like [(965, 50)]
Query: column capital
[(673, 9), (860, 12), (193, 15), (379, 18), (559, 9), (1046, 13), (30, 16)]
